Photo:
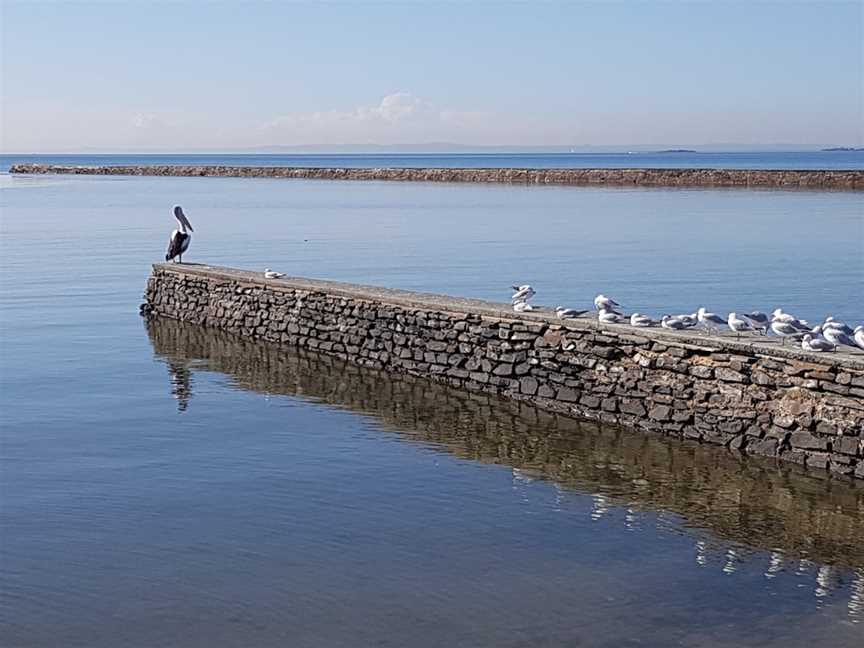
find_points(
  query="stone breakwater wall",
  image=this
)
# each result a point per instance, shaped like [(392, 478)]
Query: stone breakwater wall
[(750, 396), (792, 179)]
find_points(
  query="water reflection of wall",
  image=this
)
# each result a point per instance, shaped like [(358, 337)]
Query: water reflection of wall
[(751, 504)]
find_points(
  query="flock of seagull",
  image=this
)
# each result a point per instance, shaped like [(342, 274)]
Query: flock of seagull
[(824, 337)]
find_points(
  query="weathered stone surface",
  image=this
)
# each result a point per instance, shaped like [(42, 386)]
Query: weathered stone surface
[(528, 386), (749, 394), (632, 406), (808, 441), (660, 413)]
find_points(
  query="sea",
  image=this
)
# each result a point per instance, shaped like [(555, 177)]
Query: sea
[(167, 485)]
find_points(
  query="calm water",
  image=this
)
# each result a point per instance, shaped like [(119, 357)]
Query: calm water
[(784, 160), (161, 485)]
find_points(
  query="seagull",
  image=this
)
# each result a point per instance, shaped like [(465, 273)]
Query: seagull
[(711, 321), (830, 322), (809, 343), (759, 320), (522, 307), (689, 321), (779, 316), (179, 241), (784, 330), (523, 293), (270, 274), (609, 316), (738, 324), (859, 336), (602, 301), (642, 321), (568, 313), (838, 337), (673, 323)]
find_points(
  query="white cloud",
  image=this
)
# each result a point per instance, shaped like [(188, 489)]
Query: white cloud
[(398, 118)]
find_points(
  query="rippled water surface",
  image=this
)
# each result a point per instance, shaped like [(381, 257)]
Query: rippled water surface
[(165, 485)]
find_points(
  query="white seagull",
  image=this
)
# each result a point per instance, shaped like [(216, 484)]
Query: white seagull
[(738, 324), (711, 321), (609, 316), (689, 321), (760, 321), (673, 323), (830, 322), (640, 320), (837, 336), (179, 241), (783, 330), (859, 336), (779, 316), (270, 274), (603, 302), (522, 307), (568, 313), (522, 294), (809, 343)]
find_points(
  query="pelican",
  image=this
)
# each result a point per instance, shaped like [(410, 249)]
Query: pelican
[(568, 313), (179, 241), (603, 302), (270, 274)]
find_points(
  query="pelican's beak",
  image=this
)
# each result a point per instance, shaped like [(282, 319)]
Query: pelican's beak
[(180, 216)]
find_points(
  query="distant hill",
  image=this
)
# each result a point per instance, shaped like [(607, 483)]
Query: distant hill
[(677, 151), (843, 148)]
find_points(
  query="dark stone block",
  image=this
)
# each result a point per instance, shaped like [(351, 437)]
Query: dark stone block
[(764, 448), (847, 445), (807, 441), (503, 370), (632, 406), (528, 386), (569, 395), (728, 375), (660, 413)]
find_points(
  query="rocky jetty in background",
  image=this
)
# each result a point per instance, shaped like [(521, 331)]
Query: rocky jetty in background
[(593, 177)]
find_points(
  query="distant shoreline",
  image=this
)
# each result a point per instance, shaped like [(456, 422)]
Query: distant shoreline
[(660, 177)]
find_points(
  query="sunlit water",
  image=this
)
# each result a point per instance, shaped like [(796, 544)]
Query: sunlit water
[(162, 485)]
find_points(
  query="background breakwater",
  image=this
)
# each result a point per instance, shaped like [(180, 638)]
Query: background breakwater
[(750, 396), (812, 179)]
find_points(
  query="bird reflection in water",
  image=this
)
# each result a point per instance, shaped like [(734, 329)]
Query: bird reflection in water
[(181, 383), (775, 565), (856, 597)]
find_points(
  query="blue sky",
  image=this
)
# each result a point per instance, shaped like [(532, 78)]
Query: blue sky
[(207, 75)]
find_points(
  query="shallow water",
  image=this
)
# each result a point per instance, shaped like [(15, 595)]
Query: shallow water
[(162, 485)]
